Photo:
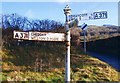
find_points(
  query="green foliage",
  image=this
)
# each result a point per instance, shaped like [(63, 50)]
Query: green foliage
[(18, 65), (19, 62), (32, 76), (108, 46), (100, 32)]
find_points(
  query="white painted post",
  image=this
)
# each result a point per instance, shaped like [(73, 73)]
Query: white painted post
[(67, 12)]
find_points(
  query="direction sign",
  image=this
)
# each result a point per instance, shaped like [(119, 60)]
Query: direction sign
[(84, 26), (89, 16), (46, 36), (20, 35), (41, 36), (100, 15)]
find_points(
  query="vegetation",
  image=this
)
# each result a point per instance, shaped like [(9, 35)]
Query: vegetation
[(109, 46), (44, 61), (100, 32), (19, 65), (23, 23)]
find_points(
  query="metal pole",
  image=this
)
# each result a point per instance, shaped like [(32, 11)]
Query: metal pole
[(67, 61), (67, 12), (18, 43), (84, 41)]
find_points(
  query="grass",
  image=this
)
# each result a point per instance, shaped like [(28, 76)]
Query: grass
[(18, 65), (33, 76), (92, 70)]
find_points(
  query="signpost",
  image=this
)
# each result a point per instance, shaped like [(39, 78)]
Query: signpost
[(41, 36), (21, 35), (67, 12), (89, 16), (84, 27), (100, 15), (47, 36), (69, 19)]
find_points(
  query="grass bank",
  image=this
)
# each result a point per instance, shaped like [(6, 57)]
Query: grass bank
[(19, 64)]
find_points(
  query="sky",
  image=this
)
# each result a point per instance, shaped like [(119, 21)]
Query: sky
[(60, 0), (53, 10)]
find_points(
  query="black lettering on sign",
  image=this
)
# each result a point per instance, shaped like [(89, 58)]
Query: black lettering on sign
[(42, 38), (33, 37), (33, 34), (16, 35), (96, 16), (53, 39), (26, 35), (100, 15), (105, 14), (21, 35), (41, 34)]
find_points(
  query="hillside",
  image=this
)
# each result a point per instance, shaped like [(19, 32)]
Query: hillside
[(19, 63), (94, 32), (45, 61), (108, 46)]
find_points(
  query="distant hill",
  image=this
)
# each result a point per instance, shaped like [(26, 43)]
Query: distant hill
[(94, 32), (108, 25)]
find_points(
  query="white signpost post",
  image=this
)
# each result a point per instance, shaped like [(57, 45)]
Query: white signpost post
[(67, 12)]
